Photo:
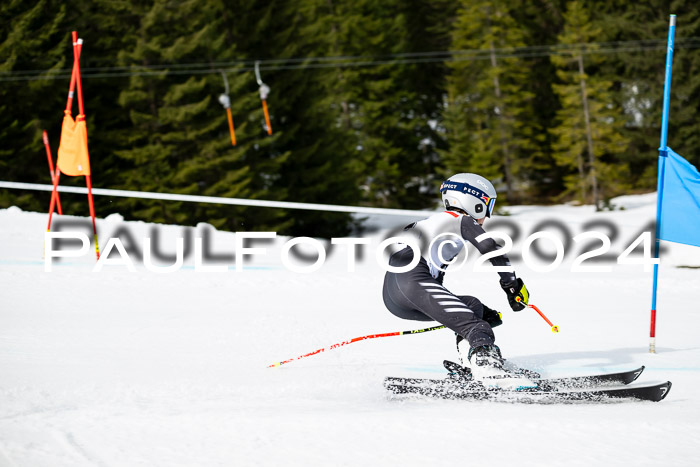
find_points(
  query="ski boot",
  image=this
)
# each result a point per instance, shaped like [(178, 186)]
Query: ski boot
[(486, 364)]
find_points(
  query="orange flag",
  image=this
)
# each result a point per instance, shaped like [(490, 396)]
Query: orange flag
[(73, 158)]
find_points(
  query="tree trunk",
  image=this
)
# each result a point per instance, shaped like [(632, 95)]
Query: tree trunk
[(501, 128), (589, 135), (345, 108)]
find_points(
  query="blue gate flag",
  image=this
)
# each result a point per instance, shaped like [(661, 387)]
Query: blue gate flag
[(680, 209)]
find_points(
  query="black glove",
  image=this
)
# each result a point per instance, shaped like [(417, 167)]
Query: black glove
[(518, 295), (492, 317)]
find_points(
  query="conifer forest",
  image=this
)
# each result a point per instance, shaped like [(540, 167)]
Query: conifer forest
[(371, 103)]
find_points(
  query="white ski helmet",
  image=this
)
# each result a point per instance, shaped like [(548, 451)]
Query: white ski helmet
[(471, 193)]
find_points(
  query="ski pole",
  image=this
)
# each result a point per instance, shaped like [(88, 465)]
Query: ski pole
[(357, 339), (555, 329)]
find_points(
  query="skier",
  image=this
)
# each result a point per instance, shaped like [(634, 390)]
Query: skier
[(419, 294)]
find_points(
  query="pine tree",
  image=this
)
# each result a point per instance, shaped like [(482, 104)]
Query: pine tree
[(684, 127), (31, 38), (309, 157), (375, 134), (492, 107), (178, 141), (378, 103), (389, 112), (637, 75), (588, 124), (638, 78), (541, 22), (428, 27)]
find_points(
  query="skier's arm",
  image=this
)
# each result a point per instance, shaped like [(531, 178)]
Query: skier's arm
[(470, 231), (512, 286)]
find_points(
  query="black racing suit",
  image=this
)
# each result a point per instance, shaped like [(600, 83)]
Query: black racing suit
[(419, 294)]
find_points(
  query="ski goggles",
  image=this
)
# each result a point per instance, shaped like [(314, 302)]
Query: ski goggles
[(490, 202)]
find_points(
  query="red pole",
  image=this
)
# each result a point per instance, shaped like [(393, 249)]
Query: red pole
[(88, 180), (77, 47), (554, 328), (357, 339), (69, 102), (48, 156), (54, 196), (541, 314)]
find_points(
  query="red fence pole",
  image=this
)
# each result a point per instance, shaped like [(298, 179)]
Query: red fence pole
[(45, 137)]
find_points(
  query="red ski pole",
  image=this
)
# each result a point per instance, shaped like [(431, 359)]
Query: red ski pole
[(357, 339), (555, 329)]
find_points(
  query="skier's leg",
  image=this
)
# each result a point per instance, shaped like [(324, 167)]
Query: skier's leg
[(418, 290), (388, 291)]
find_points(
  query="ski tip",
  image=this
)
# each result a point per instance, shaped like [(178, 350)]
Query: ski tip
[(638, 372), (665, 388)]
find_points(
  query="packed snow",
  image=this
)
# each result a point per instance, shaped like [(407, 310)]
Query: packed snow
[(145, 368)]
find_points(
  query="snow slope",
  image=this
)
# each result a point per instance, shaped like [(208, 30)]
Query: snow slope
[(122, 368)]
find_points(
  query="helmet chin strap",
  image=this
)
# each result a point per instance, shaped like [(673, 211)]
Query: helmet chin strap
[(463, 212), (460, 210)]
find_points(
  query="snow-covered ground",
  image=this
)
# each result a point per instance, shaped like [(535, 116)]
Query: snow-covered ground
[(122, 368)]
